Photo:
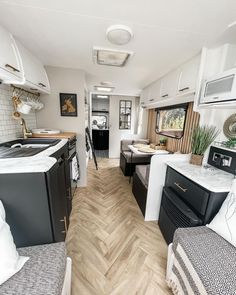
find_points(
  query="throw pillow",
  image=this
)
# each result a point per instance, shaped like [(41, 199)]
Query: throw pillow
[(225, 220), (10, 261)]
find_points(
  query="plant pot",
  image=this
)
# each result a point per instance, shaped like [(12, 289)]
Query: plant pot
[(196, 159)]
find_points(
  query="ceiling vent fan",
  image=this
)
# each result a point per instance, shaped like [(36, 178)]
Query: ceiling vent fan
[(111, 57)]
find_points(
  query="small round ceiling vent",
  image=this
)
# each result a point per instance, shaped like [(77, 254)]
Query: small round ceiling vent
[(119, 34)]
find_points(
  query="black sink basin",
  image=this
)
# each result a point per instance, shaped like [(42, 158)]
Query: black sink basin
[(31, 141), (25, 147)]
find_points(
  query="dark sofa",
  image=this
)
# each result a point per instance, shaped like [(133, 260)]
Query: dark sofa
[(125, 156)]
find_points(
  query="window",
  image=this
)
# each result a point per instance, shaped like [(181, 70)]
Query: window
[(171, 120), (99, 122), (125, 114)]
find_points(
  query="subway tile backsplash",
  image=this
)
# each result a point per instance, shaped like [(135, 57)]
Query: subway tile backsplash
[(9, 127)]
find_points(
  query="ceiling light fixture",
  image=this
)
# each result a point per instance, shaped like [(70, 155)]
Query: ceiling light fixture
[(111, 57), (119, 34), (103, 88)]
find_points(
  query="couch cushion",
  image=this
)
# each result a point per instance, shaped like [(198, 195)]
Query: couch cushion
[(141, 171), (42, 274), (125, 142), (211, 257), (136, 158)]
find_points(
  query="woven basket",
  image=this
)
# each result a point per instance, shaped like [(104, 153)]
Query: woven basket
[(196, 159)]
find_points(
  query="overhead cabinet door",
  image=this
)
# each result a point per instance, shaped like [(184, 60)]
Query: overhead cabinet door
[(169, 85), (188, 76), (154, 91), (10, 61), (35, 74), (144, 96)]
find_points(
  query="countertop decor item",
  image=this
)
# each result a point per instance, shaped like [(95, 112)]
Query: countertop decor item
[(230, 127), (45, 131), (202, 137)]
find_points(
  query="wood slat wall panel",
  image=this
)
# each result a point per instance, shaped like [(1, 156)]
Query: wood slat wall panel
[(174, 145)]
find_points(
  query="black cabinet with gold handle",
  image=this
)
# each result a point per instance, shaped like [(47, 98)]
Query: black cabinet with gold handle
[(186, 204)]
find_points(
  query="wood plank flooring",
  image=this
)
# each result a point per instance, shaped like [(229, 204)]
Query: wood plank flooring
[(113, 250)]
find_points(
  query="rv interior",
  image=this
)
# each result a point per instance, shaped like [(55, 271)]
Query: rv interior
[(117, 147)]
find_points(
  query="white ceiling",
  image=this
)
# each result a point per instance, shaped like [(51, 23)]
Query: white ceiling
[(166, 33)]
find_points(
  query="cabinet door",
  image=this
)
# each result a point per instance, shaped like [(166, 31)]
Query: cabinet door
[(169, 84), (10, 61), (25, 198), (56, 183), (144, 96), (35, 74), (154, 91), (188, 76), (41, 77)]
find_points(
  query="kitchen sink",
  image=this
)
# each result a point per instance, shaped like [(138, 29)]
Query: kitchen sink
[(29, 145), (31, 142), (25, 147)]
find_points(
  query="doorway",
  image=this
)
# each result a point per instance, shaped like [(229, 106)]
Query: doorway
[(100, 124)]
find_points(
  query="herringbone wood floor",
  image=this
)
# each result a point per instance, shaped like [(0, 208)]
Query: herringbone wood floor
[(113, 250)]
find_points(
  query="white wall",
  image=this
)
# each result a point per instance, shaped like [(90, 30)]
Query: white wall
[(66, 81), (9, 127), (115, 134), (217, 118)]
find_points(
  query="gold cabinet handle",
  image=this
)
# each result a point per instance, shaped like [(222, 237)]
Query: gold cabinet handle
[(180, 187), (65, 225)]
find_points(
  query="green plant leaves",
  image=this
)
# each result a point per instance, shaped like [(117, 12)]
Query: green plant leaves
[(202, 137)]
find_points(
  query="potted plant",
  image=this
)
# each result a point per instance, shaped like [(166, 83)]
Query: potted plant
[(163, 141), (202, 137)]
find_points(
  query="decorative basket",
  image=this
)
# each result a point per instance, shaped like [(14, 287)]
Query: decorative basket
[(196, 159)]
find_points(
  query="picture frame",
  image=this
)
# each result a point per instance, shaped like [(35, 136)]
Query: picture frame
[(68, 104)]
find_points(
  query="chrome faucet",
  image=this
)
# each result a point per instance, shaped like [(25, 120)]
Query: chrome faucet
[(26, 132)]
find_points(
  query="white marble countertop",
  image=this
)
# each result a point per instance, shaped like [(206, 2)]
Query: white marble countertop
[(41, 162), (213, 179)]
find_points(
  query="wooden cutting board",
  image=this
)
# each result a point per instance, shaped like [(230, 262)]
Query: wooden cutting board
[(67, 135)]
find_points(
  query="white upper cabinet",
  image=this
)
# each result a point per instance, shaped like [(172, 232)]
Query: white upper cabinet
[(154, 91), (169, 85), (144, 97), (188, 76), (35, 75), (10, 61)]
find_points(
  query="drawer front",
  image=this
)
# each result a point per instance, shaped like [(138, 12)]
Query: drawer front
[(189, 191)]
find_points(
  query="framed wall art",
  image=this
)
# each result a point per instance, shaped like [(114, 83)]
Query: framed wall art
[(68, 104)]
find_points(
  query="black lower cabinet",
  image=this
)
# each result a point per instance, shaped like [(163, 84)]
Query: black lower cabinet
[(35, 205), (185, 204), (140, 193), (174, 213), (58, 202), (100, 139)]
